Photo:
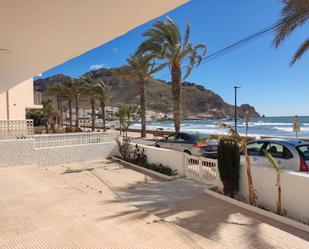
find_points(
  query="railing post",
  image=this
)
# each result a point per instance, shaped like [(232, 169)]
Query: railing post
[(200, 168), (185, 164)]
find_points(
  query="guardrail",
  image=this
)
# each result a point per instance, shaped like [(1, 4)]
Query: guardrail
[(202, 169), (73, 139), (16, 129)]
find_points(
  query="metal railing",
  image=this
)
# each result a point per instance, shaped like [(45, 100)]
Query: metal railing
[(202, 169), (16, 129), (73, 139)]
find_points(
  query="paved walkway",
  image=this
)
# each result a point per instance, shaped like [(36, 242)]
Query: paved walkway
[(103, 205), (69, 207)]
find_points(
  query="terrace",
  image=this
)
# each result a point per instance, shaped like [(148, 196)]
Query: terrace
[(74, 190), (102, 204)]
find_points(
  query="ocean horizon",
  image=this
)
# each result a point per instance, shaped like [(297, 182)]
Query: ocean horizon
[(267, 126)]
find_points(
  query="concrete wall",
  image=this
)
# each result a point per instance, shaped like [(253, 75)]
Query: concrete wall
[(174, 159), (77, 153), (294, 187), (20, 98), (22, 152), (17, 152)]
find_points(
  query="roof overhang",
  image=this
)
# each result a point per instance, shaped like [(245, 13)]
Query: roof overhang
[(38, 35)]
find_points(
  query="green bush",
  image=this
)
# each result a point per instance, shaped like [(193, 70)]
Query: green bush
[(229, 165), (138, 157)]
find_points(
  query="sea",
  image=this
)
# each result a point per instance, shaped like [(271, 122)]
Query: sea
[(269, 126)]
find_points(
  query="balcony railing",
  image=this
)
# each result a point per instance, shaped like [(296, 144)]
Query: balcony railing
[(16, 129)]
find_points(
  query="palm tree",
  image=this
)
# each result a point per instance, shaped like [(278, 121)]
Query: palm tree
[(77, 89), (277, 168), (141, 67), (57, 91), (50, 114), (90, 91), (102, 94), (294, 14), (69, 95), (166, 43), (124, 115), (235, 137)]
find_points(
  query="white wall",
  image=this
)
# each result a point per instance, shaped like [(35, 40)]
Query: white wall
[(173, 159), (22, 152), (16, 152), (294, 187), (77, 153), (20, 98)]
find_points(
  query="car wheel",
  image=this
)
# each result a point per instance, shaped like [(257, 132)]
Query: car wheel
[(187, 152), (158, 146)]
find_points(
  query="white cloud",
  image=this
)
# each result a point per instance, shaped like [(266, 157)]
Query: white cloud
[(97, 66)]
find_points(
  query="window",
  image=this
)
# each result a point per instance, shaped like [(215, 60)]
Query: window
[(254, 149), (182, 138), (172, 138), (278, 150), (304, 151)]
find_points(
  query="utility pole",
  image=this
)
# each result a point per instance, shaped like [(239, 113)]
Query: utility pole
[(235, 114)]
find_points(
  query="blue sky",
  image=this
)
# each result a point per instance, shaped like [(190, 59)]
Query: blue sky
[(267, 82)]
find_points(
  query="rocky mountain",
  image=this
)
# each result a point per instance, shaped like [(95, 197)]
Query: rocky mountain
[(197, 101)]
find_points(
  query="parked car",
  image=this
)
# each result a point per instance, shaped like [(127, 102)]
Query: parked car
[(291, 154), (196, 144)]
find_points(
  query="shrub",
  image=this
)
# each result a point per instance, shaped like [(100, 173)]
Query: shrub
[(138, 157), (124, 148), (229, 165)]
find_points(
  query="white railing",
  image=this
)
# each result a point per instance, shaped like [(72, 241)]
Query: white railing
[(202, 169), (16, 129), (73, 139)]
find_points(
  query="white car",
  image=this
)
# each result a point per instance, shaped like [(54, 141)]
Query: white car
[(291, 154)]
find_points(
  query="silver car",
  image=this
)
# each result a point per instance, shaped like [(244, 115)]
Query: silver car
[(196, 144), (291, 154)]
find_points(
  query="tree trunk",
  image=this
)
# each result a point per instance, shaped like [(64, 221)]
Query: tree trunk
[(142, 95), (92, 102), (249, 177), (103, 113), (279, 203), (61, 113), (59, 109), (70, 112), (77, 110), (176, 95)]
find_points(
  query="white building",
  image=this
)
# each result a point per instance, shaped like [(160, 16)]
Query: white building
[(15, 101)]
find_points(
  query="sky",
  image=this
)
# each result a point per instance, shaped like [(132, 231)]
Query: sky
[(263, 72)]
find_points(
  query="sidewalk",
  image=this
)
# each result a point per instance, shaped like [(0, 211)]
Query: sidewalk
[(101, 204), (62, 207)]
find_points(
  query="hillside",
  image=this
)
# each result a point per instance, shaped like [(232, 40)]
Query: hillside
[(198, 102)]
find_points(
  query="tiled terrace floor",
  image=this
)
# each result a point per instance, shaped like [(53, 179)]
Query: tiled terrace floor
[(103, 205)]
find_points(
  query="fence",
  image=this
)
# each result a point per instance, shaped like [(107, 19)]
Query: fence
[(72, 139), (202, 169), (16, 129)]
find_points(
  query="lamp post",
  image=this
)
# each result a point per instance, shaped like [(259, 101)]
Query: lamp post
[(235, 114)]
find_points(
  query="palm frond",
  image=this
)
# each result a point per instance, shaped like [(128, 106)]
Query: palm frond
[(300, 52), (272, 160), (294, 14)]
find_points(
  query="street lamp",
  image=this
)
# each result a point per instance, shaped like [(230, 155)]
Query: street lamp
[(235, 88)]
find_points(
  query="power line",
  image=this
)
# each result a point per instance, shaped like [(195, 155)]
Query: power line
[(241, 42)]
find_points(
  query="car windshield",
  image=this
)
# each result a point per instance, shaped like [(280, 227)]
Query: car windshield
[(304, 151), (199, 137)]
